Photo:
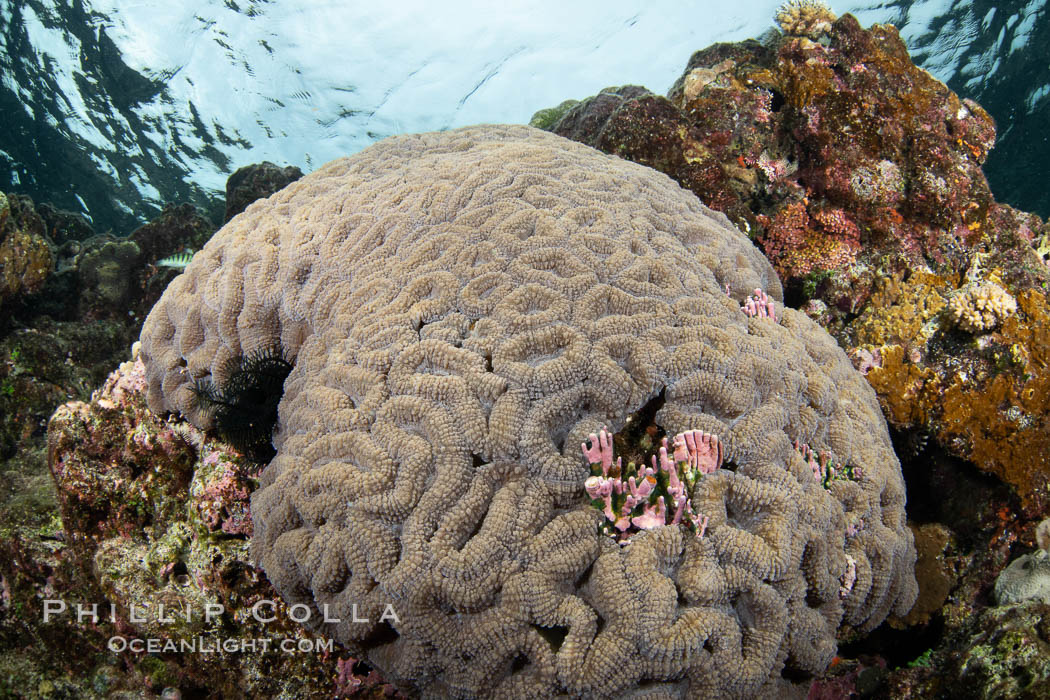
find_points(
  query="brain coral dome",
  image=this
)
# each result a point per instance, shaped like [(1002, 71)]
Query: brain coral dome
[(464, 310)]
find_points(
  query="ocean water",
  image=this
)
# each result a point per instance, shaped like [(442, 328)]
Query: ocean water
[(114, 107)]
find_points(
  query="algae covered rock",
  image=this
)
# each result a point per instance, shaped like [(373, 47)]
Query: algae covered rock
[(107, 275), (839, 156), (25, 255), (254, 182), (155, 523)]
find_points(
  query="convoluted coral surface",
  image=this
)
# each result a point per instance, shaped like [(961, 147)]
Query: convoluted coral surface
[(462, 310)]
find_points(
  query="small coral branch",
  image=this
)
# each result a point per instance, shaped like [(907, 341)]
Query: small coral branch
[(979, 308), (643, 497), (702, 451), (759, 304), (825, 468)]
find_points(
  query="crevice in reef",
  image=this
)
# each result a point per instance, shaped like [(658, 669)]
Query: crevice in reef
[(640, 437)]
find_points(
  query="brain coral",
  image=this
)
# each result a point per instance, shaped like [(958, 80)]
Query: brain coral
[(462, 310)]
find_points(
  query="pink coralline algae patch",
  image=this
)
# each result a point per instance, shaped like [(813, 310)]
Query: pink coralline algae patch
[(643, 497), (221, 496), (115, 446), (116, 468), (121, 386)]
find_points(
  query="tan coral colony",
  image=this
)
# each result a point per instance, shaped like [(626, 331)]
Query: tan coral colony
[(462, 310)]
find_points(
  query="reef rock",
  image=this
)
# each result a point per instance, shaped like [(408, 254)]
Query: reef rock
[(25, 254), (463, 310), (254, 182), (155, 515)]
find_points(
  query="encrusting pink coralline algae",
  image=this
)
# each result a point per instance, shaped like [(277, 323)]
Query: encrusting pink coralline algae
[(635, 499)]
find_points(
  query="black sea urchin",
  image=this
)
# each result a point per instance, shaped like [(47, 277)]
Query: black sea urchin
[(244, 406)]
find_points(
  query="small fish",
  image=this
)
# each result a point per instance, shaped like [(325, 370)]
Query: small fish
[(179, 261)]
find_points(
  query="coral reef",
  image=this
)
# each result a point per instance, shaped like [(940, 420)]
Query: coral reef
[(57, 343), (953, 643), (1001, 652), (60, 342), (859, 175), (942, 306), (42, 367), (837, 156), (105, 277), (462, 309), (983, 398)]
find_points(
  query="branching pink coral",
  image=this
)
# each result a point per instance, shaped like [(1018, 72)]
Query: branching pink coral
[(825, 468), (649, 496), (759, 304), (700, 450)]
